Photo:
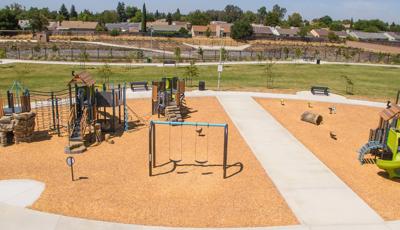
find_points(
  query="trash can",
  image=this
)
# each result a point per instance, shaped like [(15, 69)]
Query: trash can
[(318, 61), (202, 85)]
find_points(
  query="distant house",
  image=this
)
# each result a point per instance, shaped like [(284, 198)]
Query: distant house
[(77, 26), (201, 31), (392, 36), (368, 36), (261, 31), (216, 30), (323, 33), (218, 22), (24, 24), (165, 28), (291, 32), (52, 26), (124, 27)]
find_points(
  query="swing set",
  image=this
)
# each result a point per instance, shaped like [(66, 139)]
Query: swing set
[(201, 158)]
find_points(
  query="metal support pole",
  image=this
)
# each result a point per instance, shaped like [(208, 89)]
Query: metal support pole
[(57, 117), (72, 173), (113, 109), (225, 161), (53, 111), (151, 148)]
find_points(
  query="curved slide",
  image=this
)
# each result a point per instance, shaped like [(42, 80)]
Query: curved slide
[(391, 167)]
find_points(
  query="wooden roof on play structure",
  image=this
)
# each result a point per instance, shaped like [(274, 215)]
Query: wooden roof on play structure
[(83, 78), (390, 113)]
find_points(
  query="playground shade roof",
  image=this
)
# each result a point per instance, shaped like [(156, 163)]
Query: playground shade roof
[(84, 78), (389, 113)]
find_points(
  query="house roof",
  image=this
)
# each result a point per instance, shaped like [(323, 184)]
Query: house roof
[(260, 29), (394, 35), (213, 28), (84, 78), (165, 28), (226, 27), (325, 32), (122, 26), (64, 25), (368, 36), (292, 31)]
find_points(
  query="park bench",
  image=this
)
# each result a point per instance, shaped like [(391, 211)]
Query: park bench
[(320, 90), (169, 62), (139, 84)]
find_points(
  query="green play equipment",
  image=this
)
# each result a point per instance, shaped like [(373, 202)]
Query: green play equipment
[(384, 142), (392, 166)]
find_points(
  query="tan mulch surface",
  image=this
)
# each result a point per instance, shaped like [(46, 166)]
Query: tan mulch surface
[(119, 188), (352, 125)]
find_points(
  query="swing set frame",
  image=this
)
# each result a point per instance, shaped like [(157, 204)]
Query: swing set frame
[(152, 143)]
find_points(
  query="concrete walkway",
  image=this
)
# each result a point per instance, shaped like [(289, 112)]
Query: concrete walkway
[(21, 193), (293, 62), (316, 195)]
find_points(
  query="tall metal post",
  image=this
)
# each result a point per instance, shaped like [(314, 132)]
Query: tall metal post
[(221, 34), (225, 161)]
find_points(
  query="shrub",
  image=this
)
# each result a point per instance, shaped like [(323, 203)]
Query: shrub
[(114, 32), (2, 53)]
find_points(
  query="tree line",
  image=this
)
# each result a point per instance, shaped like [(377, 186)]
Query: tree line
[(276, 16)]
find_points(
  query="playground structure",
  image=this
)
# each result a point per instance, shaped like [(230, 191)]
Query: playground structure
[(168, 99), (79, 109), (88, 110), (201, 158), (17, 122), (384, 142)]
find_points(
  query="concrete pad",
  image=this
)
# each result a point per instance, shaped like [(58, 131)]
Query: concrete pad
[(20, 193), (314, 193), (350, 227), (17, 218)]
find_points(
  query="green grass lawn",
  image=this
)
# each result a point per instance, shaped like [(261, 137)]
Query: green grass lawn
[(369, 82)]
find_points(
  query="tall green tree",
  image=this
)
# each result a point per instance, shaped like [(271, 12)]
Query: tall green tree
[(241, 29), (337, 26), (138, 17), (121, 12), (37, 20), (326, 21), (130, 11), (232, 13), (73, 13), (261, 15), (295, 20), (8, 20), (177, 15), (64, 12), (144, 18), (199, 18), (275, 16), (169, 18)]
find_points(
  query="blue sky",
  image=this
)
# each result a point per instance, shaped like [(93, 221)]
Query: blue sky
[(387, 10)]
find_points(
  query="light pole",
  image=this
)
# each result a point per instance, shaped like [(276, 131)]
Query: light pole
[(151, 41), (220, 67)]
